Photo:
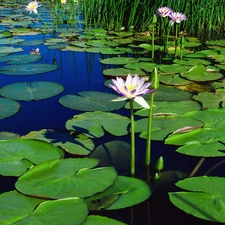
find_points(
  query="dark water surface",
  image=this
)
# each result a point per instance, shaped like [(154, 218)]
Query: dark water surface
[(83, 72)]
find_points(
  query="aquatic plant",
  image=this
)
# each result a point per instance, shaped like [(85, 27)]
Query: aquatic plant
[(32, 7), (132, 89)]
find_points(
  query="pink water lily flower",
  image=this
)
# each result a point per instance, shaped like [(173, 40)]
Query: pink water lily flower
[(164, 11), (176, 17), (32, 7), (132, 88)]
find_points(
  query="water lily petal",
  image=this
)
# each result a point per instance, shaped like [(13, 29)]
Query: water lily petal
[(120, 99), (141, 101)]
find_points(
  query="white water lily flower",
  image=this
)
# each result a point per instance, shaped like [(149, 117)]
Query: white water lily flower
[(32, 7), (132, 88)]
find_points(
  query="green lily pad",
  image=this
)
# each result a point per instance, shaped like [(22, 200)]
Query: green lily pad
[(168, 93), (39, 211), (31, 42), (20, 58), (92, 124), (122, 72), (211, 100), (10, 41), (204, 199), (220, 42), (19, 155), (141, 65), (125, 192), (71, 142), (164, 125), (74, 48), (113, 153), (119, 60), (27, 69), (199, 73), (8, 50), (8, 107), (195, 148), (29, 91), (173, 80), (174, 68), (201, 135), (91, 101), (66, 178), (191, 62), (198, 55), (111, 51), (175, 108), (4, 135), (101, 220), (212, 118)]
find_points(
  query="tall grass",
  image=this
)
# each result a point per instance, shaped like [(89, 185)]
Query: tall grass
[(205, 18)]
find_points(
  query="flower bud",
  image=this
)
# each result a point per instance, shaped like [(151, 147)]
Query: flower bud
[(159, 164)]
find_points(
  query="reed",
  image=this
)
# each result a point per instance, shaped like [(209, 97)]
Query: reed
[(205, 18)]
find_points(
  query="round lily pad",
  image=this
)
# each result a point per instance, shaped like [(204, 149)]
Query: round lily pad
[(122, 72), (8, 107), (91, 101), (66, 178), (27, 69), (119, 60), (20, 58), (28, 91)]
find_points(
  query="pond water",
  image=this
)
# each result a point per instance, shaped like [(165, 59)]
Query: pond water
[(82, 71)]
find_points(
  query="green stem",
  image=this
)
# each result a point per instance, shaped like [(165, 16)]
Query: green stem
[(132, 154), (43, 21), (148, 141), (176, 40), (153, 42)]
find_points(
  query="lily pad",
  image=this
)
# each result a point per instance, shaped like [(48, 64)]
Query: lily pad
[(10, 41), (113, 153), (191, 62), (210, 99), (66, 178), (174, 68), (8, 108), (20, 58), (8, 50), (91, 101), (27, 69), (4, 135), (29, 91), (204, 199), (19, 155), (93, 124), (122, 72), (101, 220), (39, 211), (125, 192), (162, 126), (173, 80), (71, 142), (119, 60)]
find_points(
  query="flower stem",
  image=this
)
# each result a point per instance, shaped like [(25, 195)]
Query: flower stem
[(176, 40), (148, 141), (132, 153), (42, 21)]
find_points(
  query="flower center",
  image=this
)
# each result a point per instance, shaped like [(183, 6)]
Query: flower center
[(32, 6)]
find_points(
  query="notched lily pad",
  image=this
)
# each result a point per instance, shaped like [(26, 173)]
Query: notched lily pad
[(27, 69), (20, 58), (91, 101), (8, 108), (29, 91)]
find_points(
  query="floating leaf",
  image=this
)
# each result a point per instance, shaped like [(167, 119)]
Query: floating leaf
[(8, 50), (91, 101), (113, 153), (20, 58), (174, 68), (125, 192), (71, 142), (191, 62), (66, 178), (28, 91), (92, 124), (39, 211), (27, 69), (164, 125), (206, 199), (122, 72), (10, 41), (8, 107), (4, 135), (173, 80), (100, 220), (119, 60), (16, 156)]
